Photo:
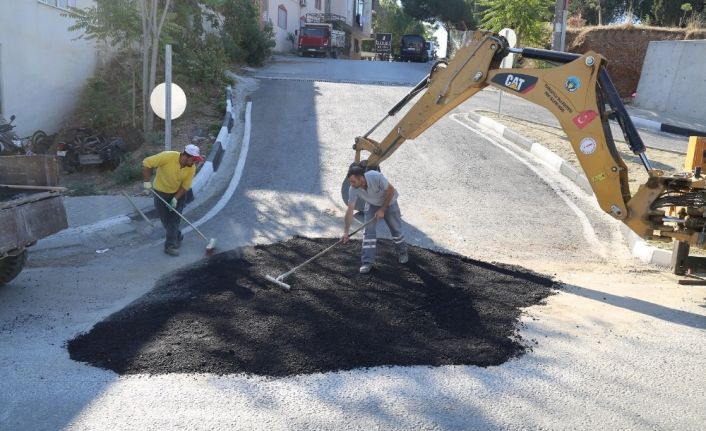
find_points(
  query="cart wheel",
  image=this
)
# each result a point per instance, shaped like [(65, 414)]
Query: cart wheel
[(11, 266), (70, 162)]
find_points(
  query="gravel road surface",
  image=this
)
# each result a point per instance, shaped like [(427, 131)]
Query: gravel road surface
[(619, 347)]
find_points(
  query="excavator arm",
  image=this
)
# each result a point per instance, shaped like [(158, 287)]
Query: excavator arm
[(579, 92)]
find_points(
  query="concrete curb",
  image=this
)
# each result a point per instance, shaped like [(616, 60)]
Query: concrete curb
[(638, 246), (120, 224), (656, 126), (215, 155)]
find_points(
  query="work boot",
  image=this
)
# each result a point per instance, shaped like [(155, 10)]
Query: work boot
[(403, 258), (365, 268), (171, 250)]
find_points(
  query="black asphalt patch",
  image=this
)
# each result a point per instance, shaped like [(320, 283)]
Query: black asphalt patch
[(221, 316)]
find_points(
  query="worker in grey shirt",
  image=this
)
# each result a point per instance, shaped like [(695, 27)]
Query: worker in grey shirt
[(380, 202)]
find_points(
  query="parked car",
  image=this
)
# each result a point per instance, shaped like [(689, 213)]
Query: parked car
[(413, 48)]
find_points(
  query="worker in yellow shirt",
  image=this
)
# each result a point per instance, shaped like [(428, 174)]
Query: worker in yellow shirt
[(175, 172)]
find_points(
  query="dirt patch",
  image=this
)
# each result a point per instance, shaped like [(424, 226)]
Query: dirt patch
[(221, 316), (625, 47), (556, 140)]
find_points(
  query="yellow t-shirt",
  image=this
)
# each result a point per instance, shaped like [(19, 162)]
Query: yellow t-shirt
[(170, 175)]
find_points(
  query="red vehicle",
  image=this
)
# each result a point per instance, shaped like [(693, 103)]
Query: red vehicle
[(320, 39)]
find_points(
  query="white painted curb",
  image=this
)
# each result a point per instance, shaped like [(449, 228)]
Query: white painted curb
[(638, 246), (200, 181)]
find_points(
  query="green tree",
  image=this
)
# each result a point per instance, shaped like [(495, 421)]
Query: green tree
[(242, 37), (452, 14), (390, 18), (130, 25), (528, 18), (686, 8), (601, 12), (199, 56), (152, 23), (115, 22), (667, 12)]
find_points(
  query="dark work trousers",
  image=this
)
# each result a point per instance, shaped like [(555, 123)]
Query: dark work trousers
[(170, 220), (393, 218)]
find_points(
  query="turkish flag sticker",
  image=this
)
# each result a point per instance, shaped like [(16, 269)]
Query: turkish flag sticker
[(584, 118)]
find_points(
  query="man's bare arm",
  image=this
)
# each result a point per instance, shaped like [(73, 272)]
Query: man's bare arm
[(347, 220)]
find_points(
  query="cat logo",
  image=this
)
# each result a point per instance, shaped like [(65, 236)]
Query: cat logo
[(516, 81)]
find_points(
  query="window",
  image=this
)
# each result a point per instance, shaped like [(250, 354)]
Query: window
[(282, 17), (63, 4), (314, 31), (317, 4), (359, 12)]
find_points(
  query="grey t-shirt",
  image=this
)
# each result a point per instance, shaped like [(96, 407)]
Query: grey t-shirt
[(375, 193)]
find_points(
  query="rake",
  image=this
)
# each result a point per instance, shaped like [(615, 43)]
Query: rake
[(279, 281)]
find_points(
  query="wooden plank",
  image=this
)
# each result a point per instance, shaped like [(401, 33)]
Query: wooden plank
[(35, 188), (24, 224), (38, 170), (26, 198)]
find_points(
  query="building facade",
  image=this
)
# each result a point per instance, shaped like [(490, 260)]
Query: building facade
[(287, 16), (43, 66)]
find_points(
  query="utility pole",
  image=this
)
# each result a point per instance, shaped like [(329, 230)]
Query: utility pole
[(168, 97), (561, 11)]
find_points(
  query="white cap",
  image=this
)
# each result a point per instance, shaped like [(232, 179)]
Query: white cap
[(193, 151)]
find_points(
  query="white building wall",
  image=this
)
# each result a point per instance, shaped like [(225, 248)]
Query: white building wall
[(42, 69), (294, 11)]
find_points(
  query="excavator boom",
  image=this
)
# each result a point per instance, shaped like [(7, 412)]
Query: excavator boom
[(581, 95)]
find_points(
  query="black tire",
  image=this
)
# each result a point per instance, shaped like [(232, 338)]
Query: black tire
[(41, 142), (70, 162), (38, 136), (11, 266)]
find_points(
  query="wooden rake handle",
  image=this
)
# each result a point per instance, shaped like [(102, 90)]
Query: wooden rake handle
[(324, 251)]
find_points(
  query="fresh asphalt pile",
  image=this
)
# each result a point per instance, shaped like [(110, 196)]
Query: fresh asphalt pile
[(221, 316)]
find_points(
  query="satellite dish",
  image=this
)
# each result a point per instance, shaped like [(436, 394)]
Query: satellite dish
[(511, 37), (158, 101)]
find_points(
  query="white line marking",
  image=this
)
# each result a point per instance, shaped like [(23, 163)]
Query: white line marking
[(233, 181), (236, 176), (588, 233)]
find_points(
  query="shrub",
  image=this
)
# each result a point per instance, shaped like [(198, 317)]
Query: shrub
[(128, 171), (107, 100), (83, 189), (202, 62), (243, 39)]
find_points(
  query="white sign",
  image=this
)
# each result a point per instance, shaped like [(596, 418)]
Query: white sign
[(511, 37), (158, 101)]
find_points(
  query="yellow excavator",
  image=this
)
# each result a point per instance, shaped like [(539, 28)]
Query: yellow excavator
[(580, 93)]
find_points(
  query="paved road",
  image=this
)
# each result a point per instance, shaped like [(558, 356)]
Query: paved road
[(294, 68), (616, 350)]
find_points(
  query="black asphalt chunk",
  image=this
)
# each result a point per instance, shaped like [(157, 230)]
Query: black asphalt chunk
[(221, 316)]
